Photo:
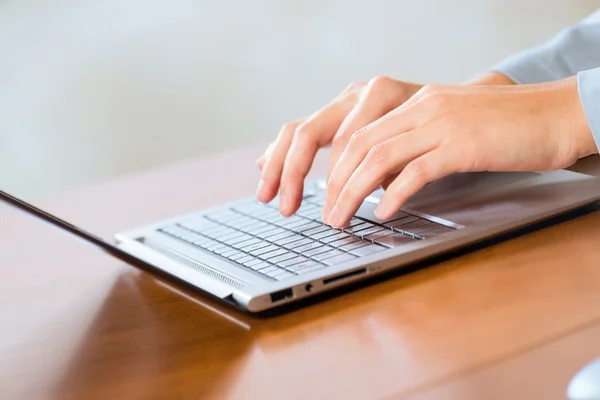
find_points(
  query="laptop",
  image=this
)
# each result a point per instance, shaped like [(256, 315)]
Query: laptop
[(247, 254)]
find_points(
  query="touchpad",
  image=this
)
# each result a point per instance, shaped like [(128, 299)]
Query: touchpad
[(465, 184)]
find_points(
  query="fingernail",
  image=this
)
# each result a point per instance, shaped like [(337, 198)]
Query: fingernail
[(284, 204), (260, 189), (334, 217), (381, 212)]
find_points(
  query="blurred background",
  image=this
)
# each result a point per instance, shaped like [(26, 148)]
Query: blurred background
[(94, 89)]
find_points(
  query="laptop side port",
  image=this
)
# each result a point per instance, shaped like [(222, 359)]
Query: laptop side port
[(282, 295), (346, 275)]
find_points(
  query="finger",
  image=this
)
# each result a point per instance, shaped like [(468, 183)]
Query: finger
[(260, 162), (314, 133), (380, 96), (387, 181), (385, 159), (418, 173), (273, 167), (393, 124)]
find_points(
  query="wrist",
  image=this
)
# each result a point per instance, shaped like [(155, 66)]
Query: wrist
[(490, 78)]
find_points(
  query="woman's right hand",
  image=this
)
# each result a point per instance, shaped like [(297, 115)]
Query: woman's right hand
[(287, 160)]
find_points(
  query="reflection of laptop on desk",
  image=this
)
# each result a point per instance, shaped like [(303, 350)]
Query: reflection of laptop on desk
[(246, 253)]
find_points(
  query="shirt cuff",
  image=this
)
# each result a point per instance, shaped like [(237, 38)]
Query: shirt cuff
[(528, 67), (588, 84)]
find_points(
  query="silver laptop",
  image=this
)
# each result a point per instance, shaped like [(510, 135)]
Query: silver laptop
[(246, 253)]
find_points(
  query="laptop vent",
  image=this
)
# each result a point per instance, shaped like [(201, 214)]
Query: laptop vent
[(195, 265)]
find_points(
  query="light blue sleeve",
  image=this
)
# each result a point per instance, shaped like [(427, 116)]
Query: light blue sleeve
[(574, 51), (588, 83)]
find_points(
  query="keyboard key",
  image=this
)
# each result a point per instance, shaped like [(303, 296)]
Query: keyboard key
[(366, 232), (273, 233), (291, 261), (255, 246), (378, 235), (412, 225), (345, 241), (262, 230), (366, 211), (309, 246), (297, 243), (269, 270), (367, 250), (282, 257), (271, 254), (245, 243), (315, 251), (310, 270), (297, 222), (354, 222), (355, 245), (264, 250), (425, 227), (333, 238), (359, 227), (245, 259), (436, 232), (275, 238), (284, 275), (289, 239), (324, 234), (231, 252), (305, 226), (220, 249), (304, 265), (261, 265), (327, 254), (313, 231), (344, 257), (256, 261), (395, 240), (236, 239), (400, 222), (275, 273), (237, 256)]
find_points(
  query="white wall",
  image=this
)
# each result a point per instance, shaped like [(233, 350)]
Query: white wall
[(93, 89)]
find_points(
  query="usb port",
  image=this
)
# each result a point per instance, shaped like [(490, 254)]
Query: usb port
[(282, 295)]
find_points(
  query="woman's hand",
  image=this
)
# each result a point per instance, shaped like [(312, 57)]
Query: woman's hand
[(287, 161), (447, 129)]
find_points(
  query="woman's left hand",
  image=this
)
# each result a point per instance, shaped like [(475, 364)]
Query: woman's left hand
[(446, 129)]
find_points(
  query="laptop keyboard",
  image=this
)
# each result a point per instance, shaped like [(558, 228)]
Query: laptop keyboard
[(257, 237)]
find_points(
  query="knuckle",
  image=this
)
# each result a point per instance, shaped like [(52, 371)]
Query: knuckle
[(303, 131), (357, 138), (354, 86), (348, 195), (417, 171), (334, 185), (340, 141), (377, 153), (438, 100), (430, 89), (379, 83), (287, 129)]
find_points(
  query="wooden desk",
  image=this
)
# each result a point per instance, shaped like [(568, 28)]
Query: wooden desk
[(514, 320)]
